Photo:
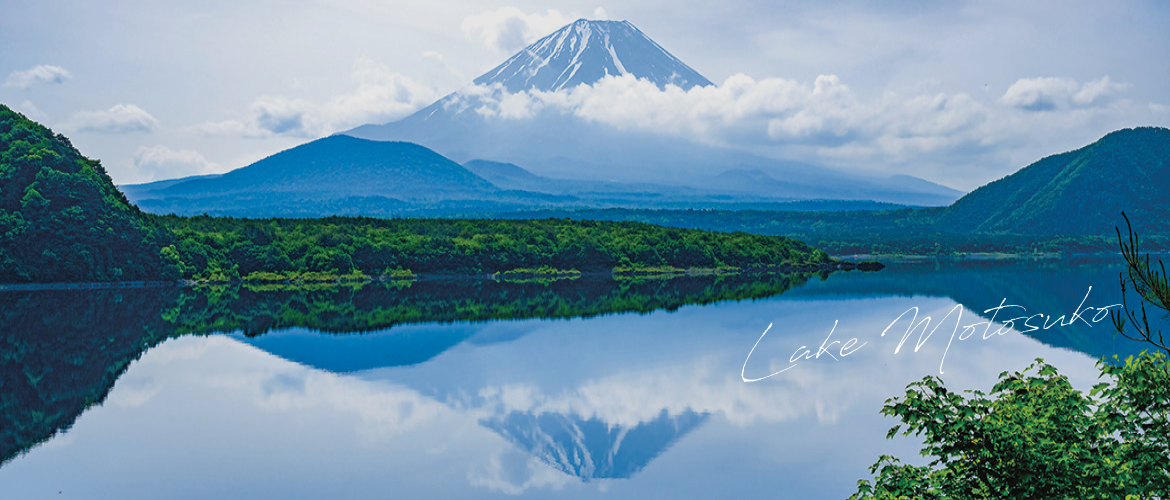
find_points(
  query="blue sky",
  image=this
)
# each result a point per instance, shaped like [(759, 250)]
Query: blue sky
[(960, 93)]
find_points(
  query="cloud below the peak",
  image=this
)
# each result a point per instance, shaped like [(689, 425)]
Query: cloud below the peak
[(928, 134), (381, 95)]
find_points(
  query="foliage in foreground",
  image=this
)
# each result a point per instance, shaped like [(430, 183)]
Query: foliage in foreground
[(1035, 436), (1151, 284)]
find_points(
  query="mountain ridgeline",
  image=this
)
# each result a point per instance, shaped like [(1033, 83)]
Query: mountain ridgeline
[(586, 51), (570, 162), (1080, 192), (1066, 202), (337, 175), (62, 219), (557, 143), (344, 175), (346, 166)]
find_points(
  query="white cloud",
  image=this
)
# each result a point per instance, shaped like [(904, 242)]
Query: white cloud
[(381, 95), (509, 29), (935, 135), (35, 75), (161, 162), (1049, 93), (742, 111), (120, 119)]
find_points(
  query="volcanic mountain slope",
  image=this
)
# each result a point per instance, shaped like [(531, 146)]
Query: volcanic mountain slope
[(586, 51), (337, 175), (552, 142)]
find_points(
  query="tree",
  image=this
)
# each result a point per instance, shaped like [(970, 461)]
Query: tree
[(1151, 285), (1035, 436)]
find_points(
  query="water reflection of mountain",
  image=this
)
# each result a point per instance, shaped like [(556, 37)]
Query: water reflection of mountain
[(376, 308), (1050, 286), (62, 350), (591, 448)]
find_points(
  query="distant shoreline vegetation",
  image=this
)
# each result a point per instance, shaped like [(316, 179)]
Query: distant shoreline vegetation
[(219, 249), (63, 220), (905, 232)]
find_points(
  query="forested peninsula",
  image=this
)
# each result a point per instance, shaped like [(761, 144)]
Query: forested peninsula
[(63, 220)]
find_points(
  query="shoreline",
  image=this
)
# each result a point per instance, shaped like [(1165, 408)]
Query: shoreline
[(497, 276)]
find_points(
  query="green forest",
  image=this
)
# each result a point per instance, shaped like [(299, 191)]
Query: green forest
[(1069, 202), (62, 219)]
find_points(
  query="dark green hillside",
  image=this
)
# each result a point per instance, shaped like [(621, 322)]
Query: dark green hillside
[(1068, 202), (61, 218), (343, 166), (1075, 193)]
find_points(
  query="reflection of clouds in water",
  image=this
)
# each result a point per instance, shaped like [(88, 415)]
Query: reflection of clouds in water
[(382, 409), (824, 388), (511, 471), (475, 419), (133, 391)]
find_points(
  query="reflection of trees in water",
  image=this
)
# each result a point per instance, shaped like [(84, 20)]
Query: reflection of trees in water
[(62, 350), (1049, 286)]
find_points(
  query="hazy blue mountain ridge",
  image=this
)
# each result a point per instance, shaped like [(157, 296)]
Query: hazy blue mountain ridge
[(557, 143)]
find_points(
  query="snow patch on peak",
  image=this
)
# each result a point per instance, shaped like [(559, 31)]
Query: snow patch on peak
[(585, 51)]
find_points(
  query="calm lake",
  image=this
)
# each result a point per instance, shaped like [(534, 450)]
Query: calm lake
[(580, 388)]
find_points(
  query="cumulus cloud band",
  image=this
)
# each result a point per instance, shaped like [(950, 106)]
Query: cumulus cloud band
[(45, 73), (1048, 93), (119, 119), (381, 95)]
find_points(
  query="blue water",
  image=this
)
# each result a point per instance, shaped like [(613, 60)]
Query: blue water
[(618, 406)]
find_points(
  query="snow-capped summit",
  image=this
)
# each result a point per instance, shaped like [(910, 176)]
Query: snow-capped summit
[(585, 52), (552, 140)]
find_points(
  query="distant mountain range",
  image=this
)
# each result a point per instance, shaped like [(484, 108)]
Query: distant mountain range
[(550, 161), (561, 145), (1067, 202), (343, 175)]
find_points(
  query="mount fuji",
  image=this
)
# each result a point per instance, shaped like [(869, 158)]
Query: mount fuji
[(473, 162), (585, 52), (559, 144)]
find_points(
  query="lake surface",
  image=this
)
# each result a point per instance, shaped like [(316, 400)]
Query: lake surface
[(476, 389)]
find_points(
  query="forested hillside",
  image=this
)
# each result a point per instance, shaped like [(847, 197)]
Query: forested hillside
[(1070, 202), (62, 219), (1077, 193)]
